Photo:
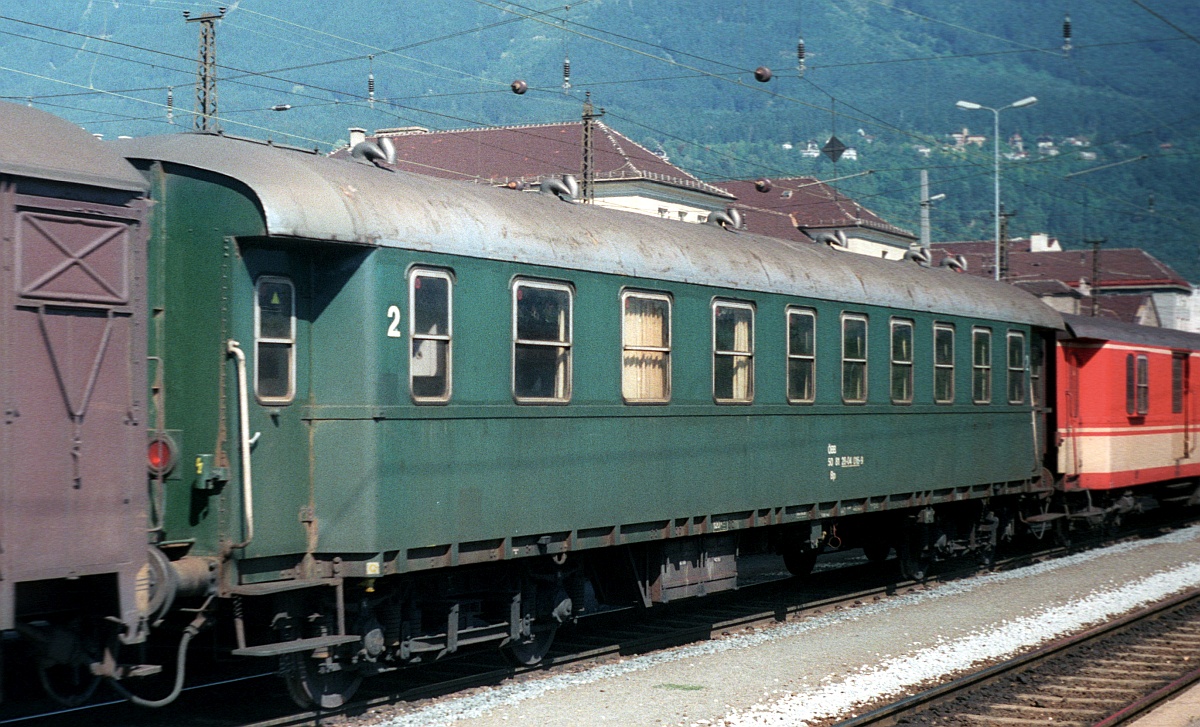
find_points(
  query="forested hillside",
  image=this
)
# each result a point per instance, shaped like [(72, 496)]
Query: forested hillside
[(883, 75)]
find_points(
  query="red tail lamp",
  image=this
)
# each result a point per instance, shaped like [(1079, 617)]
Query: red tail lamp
[(160, 455)]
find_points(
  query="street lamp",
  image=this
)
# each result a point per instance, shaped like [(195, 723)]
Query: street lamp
[(971, 106)]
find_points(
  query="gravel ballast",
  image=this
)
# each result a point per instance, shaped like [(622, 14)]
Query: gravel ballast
[(806, 672)]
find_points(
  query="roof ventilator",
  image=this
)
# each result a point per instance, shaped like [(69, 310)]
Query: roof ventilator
[(957, 263), (566, 189), (837, 238), (730, 219), (377, 154), (919, 255)]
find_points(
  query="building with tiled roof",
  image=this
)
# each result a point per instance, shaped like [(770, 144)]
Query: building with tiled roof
[(802, 208), (626, 174), (1131, 284)]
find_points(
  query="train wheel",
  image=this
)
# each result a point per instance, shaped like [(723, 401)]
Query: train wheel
[(800, 561), (318, 683), (68, 684), (877, 551), (531, 650)]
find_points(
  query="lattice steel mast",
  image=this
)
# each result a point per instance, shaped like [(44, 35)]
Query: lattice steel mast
[(205, 117)]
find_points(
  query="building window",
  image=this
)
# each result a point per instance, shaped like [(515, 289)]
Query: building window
[(1178, 381), (981, 366), (1016, 367), (733, 352), (801, 356), (902, 362), (541, 342), (943, 363), (646, 347), (1137, 384), (429, 327), (854, 358), (274, 340)]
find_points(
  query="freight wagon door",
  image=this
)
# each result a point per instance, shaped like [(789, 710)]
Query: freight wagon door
[(74, 436)]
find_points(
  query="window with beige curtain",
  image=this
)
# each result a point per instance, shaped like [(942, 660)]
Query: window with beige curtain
[(733, 352), (646, 347)]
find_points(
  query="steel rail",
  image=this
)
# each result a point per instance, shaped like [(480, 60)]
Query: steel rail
[(892, 713)]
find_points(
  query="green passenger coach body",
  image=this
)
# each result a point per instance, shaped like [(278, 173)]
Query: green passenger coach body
[(439, 375)]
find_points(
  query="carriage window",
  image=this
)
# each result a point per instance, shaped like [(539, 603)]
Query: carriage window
[(646, 344), (902, 362), (943, 363), (541, 342), (1137, 385), (802, 356), (429, 320), (733, 352), (981, 366), (854, 359), (274, 340), (1178, 381), (1016, 367)]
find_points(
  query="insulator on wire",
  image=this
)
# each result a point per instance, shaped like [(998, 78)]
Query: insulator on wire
[(170, 105), (371, 82), (1067, 34), (800, 57), (566, 75)]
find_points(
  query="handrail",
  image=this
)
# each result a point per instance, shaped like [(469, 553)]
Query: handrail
[(234, 348)]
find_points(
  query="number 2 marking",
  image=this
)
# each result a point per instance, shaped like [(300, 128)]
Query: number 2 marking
[(393, 314)]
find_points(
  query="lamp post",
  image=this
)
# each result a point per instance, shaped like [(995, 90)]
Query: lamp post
[(971, 106)]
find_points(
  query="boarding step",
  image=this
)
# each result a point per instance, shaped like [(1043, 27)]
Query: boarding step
[(273, 587), (291, 647)]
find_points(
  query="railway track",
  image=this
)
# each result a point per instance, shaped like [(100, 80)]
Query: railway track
[(594, 640), (1104, 677)]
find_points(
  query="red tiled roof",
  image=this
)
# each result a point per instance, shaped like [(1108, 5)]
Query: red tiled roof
[(813, 204), (1129, 268), (498, 155)]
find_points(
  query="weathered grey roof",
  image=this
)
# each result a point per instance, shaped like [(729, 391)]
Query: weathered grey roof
[(1107, 329), (42, 146), (308, 196)]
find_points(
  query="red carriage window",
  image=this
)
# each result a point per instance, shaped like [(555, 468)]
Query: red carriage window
[(1137, 384)]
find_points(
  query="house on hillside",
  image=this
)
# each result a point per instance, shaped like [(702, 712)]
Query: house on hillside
[(964, 138), (1131, 285), (627, 175)]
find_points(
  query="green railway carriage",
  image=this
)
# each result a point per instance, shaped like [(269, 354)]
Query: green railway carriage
[(441, 414)]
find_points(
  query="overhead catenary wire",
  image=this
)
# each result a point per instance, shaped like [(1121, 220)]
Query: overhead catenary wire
[(701, 74)]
